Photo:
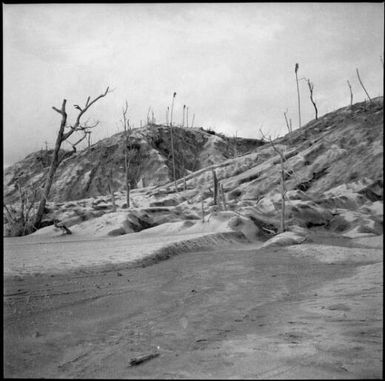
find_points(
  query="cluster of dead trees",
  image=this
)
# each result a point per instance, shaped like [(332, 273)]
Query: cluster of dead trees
[(311, 94)]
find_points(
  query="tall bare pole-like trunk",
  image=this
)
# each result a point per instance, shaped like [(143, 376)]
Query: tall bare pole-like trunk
[(215, 186), (184, 108), (299, 99), (311, 88), (223, 197), (186, 116), (61, 137), (193, 120), (172, 143), (283, 192), (202, 208), (112, 193), (351, 93), (126, 126), (359, 78)]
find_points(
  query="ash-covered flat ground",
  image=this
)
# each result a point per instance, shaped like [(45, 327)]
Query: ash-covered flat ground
[(304, 311)]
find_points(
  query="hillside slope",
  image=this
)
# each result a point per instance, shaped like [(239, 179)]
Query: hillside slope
[(333, 179), (83, 174)]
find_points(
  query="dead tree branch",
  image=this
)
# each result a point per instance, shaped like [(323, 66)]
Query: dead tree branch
[(127, 130), (299, 99), (351, 93), (172, 143), (311, 88), (359, 78), (287, 123)]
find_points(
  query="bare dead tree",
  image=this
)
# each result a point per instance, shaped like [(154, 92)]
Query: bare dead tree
[(61, 137), (299, 99), (311, 88), (172, 143), (187, 116), (288, 125), (359, 78), (223, 197), (111, 190), (127, 130), (202, 208), (215, 186), (283, 187), (351, 93), (184, 108)]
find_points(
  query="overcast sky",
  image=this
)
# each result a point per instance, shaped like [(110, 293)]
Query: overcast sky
[(232, 64)]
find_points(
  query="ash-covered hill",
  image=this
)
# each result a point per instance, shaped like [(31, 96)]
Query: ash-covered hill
[(333, 181), (84, 173)]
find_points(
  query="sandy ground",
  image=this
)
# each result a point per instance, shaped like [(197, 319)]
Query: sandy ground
[(306, 311)]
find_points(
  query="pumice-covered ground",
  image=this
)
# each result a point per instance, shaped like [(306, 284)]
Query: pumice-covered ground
[(313, 310)]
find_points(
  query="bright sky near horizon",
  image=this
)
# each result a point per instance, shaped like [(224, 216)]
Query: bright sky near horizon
[(232, 64)]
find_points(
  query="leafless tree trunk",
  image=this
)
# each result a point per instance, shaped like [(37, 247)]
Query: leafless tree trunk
[(172, 143), (287, 123), (127, 129), (359, 78), (283, 187), (111, 190), (184, 108), (311, 88), (186, 116), (223, 197), (351, 93), (299, 100), (215, 183), (203, 208), (184, 174), (193, 119), (61, 137)]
